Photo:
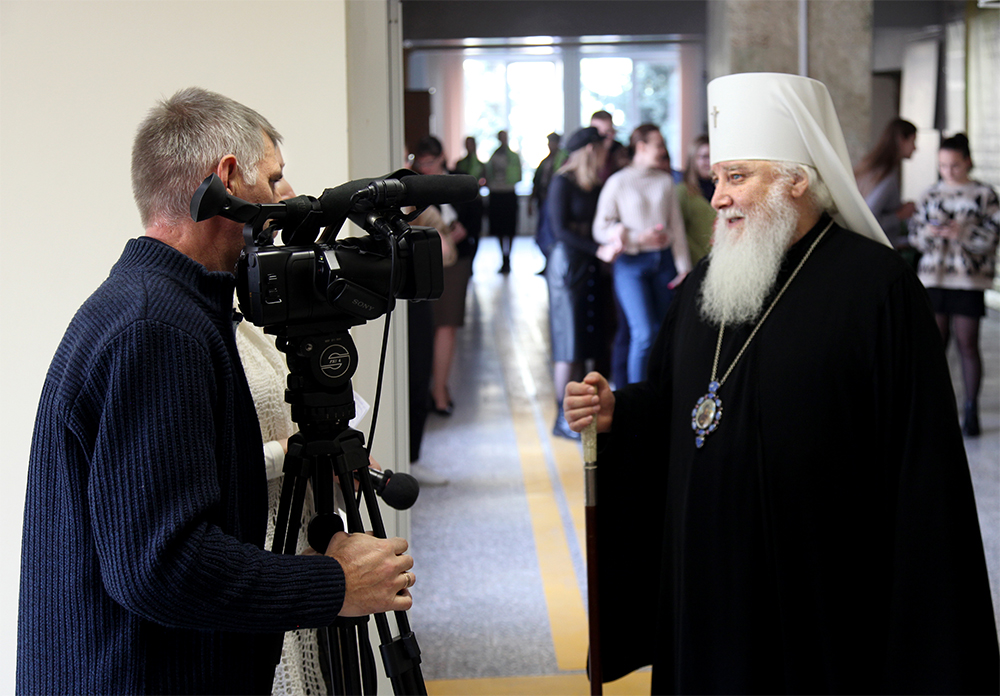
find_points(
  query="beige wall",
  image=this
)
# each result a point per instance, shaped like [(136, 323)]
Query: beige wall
[(75, 80)]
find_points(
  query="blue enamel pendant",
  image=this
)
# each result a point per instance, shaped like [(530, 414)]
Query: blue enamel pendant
[(706, 415)]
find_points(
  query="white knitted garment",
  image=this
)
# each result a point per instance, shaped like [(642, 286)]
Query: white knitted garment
[(299, 670)]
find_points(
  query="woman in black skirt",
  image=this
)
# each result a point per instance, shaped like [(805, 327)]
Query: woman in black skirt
[(956, 228)]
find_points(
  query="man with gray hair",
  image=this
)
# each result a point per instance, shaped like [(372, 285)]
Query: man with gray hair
[(141, 567), (806, 520)]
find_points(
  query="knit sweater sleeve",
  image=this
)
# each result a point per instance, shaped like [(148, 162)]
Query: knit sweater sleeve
[(919, 225), (154, 498), (983, 228)]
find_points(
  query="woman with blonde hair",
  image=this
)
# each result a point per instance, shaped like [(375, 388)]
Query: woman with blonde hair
[(575, 292)]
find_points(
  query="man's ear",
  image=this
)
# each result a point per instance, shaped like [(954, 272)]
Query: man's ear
[(800, 184), (229, 172)]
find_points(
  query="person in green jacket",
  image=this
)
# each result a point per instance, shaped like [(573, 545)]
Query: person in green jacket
[(503, 170), (470, 164), (695, 199)]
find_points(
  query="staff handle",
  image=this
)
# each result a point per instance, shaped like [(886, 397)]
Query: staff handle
[(590, 502)]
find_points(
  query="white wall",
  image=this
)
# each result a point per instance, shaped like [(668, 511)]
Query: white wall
[(75, 80)]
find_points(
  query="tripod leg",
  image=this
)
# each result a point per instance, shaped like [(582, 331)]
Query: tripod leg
[(338, 684), (369, 673), (286, 532), (293, 493), (281, 521), (349, 656), (295, 516)]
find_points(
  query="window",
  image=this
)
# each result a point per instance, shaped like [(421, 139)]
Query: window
[(636, 88), (523, 97), (543, 85)]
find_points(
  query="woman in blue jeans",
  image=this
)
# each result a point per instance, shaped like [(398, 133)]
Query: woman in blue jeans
[(638, 205)]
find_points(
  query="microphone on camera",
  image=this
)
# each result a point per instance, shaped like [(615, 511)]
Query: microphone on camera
[(401, 188), (302, 214), (399, 491), (419, 191)]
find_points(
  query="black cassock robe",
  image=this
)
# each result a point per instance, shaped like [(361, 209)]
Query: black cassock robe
[(825, 538)]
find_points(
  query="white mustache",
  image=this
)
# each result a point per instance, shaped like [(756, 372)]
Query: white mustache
[(730, 213)]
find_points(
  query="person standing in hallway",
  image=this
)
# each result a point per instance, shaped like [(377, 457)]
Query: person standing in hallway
[(576, 295), (503, 171), (878, 179), (956, 228), (449, 309), (546, 169), (617, 154), (698, 170), (806, 518), (639, 205), (617, 157), (425, 350), (470, 164), (694, 197)]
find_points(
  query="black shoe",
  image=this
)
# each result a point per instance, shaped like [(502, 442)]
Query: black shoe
[(505, 267), (446, 411), (970, 426), (562, 429)]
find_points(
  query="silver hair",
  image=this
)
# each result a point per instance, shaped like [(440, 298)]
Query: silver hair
[(819, 192), (182, 140)]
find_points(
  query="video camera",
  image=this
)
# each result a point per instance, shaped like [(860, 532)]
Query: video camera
[(313, 277)]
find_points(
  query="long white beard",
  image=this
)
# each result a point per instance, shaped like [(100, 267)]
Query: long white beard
[(744, 265)]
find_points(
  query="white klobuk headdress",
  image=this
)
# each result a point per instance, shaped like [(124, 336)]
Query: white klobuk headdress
[(777, 116)]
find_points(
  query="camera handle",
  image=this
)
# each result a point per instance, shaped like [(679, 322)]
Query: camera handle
[(321, 361)]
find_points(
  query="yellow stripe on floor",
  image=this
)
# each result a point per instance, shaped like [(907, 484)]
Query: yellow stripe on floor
[(569, 465), (633, 684), (567, 616), (567, 613)]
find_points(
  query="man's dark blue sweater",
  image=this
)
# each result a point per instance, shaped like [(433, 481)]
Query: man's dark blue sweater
[(141, 565)]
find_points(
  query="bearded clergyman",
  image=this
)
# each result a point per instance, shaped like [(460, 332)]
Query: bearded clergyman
[(789, 489)]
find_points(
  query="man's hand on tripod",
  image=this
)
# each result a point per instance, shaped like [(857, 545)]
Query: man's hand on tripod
[(376, 572)]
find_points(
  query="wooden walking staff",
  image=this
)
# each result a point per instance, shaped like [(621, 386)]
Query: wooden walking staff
[(590, 503)]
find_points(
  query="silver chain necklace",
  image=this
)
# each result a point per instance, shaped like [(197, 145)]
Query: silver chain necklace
[(707, 413)]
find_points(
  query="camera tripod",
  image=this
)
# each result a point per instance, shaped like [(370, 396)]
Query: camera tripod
[(321, 359)]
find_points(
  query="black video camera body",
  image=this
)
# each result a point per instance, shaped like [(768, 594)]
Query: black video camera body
[(353, 277)]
